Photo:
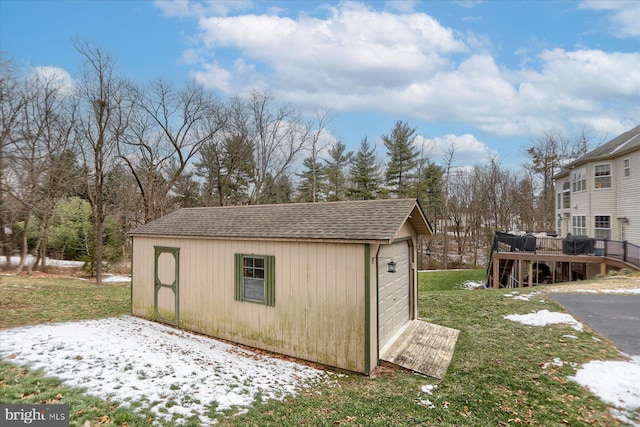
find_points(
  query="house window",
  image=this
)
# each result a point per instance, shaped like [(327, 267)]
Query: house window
[(566, 195), (579, 225), (602, 227), (255, 278), (602, 175), (559, 226), (626, 167), (579, 180)]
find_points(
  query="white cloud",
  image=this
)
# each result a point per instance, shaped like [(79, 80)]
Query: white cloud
[(346, 52), (624, 15), (351, 57), (55, 76), (468, 150)]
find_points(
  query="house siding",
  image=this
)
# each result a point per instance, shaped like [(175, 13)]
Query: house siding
[(628, 198), (319, 312)]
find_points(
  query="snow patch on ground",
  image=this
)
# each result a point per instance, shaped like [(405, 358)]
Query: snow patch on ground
[(614, 382), (544, 318), (471, 285), (15, 260), (521, 297), (130, 359)]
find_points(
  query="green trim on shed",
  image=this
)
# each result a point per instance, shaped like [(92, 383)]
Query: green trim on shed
[(174, 286), (367, 308), (269, 279)]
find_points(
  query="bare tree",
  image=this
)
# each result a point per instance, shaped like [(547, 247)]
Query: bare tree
[(167, 130), (449, 158), (103, 119), (11, 104), (317, 144), (277, 135), (548, 154)]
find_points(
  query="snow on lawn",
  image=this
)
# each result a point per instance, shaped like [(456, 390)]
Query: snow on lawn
[(522, 297), (471, 285), (614, 382), (173, 372), (15, 260), (545, 317)]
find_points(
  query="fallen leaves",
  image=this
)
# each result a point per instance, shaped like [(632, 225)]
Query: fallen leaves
[(347, 419)]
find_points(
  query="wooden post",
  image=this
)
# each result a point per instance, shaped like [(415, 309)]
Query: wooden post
[(603, 269), (520, 272), (496, 272), (530, 273)]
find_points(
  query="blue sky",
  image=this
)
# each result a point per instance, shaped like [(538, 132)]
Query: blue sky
[(486, 76)]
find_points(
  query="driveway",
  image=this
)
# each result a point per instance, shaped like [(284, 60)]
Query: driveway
[(616, 317)]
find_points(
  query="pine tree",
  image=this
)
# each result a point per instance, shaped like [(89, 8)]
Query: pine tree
[(313, 172), (334, 170), (364, 173), (402, 159)]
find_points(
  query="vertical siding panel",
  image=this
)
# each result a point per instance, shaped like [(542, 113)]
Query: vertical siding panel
[(283, 292), (321, 301), (340, 320), (299, 310), (312, 300), (354, 283)]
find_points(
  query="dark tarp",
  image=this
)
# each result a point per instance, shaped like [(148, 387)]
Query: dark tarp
[(578, 245)]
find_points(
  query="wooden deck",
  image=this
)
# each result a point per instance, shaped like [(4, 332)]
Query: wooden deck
[(424, 348)]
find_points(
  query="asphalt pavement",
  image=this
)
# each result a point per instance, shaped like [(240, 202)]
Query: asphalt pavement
[(616, 317)]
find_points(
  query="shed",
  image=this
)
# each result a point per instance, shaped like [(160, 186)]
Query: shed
[(307, 280)]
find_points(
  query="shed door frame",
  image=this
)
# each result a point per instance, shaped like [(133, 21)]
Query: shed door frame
[(173, 286), (408, 287)]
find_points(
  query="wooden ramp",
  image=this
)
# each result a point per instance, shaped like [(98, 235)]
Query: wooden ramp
[(424, 348)]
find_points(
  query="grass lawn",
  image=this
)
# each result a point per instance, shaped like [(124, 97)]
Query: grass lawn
[(498, 377)]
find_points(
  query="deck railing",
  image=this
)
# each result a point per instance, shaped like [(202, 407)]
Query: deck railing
[(620, 250)]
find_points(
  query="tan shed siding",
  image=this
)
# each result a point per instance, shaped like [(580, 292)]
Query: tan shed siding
[(373, 304), (405, 231), (319, 296)]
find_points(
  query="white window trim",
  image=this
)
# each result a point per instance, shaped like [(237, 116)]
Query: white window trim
[(583, 172), (595, 187), (585, 228), (600, 228), (626, 167)]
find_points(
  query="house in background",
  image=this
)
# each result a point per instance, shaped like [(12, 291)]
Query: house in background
[(598, 195), (333, 283)]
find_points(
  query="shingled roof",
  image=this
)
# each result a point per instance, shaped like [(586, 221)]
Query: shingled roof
[(366, 220), (618, 146)]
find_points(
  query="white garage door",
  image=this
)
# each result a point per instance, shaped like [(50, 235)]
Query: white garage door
[(393, 291)]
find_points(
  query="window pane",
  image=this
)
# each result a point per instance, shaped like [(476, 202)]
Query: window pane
[(253, 289)]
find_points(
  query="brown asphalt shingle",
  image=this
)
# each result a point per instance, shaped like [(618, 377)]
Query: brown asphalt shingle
[(353, 220)]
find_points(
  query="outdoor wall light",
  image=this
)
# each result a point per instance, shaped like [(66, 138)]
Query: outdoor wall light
[(391, 267)]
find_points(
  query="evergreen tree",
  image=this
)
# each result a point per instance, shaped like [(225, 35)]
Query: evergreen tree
[(428, 189), (226, 165), (277, 191), (364, 173), (334, 169), (402, 159), (306, 187)]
